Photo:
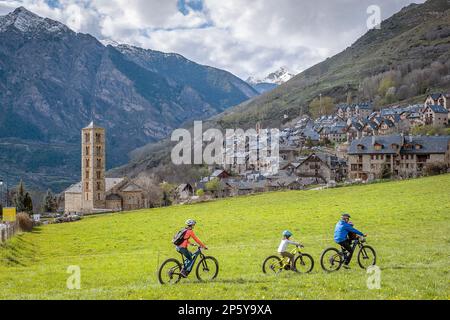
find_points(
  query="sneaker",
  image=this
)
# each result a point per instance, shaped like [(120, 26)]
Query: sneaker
[(184, 274)]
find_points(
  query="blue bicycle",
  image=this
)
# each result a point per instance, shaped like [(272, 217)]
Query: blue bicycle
[(207, 268)]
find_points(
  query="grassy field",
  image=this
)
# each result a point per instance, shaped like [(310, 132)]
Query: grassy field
[(407, 223)]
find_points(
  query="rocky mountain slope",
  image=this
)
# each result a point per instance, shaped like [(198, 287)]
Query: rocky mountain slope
[(413, 39), (54, 81), (417, 37)]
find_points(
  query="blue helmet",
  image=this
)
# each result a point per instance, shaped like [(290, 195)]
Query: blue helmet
[(287, 234)]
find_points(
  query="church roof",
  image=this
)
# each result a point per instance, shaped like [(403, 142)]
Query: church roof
[(92, 125), (110, 184), (132, 187), (76, 188)]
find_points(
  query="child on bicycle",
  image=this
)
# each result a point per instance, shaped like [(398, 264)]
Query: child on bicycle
[(283, 248)]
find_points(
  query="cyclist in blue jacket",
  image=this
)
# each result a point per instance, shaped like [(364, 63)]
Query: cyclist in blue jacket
[(341, 236)]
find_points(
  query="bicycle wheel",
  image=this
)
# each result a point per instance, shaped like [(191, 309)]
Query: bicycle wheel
[(304, 263), (367, 257), (169, 272), (207, 269), (272, 264), (331, 260)]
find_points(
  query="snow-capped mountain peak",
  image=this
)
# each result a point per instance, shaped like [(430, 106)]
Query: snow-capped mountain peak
[(26, 21), (278, 77)]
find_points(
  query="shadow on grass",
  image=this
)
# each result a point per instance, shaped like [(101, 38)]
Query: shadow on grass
[(17, 251), (37, 230)]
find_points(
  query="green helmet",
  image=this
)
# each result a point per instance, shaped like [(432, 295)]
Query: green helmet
[(287, 234)]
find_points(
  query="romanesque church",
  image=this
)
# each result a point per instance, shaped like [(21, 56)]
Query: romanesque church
[(96, 193)]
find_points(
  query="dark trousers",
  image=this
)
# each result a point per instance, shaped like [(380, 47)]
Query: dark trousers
[(188, 261), (347, 245)]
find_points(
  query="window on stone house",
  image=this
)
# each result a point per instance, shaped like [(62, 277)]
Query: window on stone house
[(98, 137), (87, 186), (87, 150), (99, 174), (99, 196), (87, 163), (99, 186), (99, 163), (87, 137), (87, 174)]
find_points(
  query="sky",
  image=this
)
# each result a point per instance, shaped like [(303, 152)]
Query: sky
[(245, 37)]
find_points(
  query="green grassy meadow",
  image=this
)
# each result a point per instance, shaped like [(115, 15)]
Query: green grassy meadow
[(407, 223)]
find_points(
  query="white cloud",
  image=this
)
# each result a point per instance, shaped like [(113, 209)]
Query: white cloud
[(245, 37)]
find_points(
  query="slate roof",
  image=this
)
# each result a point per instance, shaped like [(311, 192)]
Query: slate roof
[(76, 188), (132, 187), (312, 134), (437, 108), (92, 125), (368, 144), (429, 145), (110, 183), (435, 96)]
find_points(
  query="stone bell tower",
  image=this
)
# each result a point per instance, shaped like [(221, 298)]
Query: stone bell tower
[(93, 168)]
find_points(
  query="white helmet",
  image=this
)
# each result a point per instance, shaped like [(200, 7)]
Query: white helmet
[(191, 223)]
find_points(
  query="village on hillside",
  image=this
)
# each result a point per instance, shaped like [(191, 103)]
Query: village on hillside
[(355, 145)]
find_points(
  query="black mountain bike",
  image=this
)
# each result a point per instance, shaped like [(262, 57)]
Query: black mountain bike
[(332, 259), (207, 268)]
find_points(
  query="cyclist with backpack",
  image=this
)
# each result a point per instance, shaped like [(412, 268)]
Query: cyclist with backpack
[(181, 241)]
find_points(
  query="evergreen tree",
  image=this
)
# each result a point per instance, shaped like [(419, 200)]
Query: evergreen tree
[(28, 203), (49, 202), (19, 198), (22, 199)]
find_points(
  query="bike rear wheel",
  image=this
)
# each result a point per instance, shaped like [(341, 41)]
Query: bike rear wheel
[(272, 264), (207, 269), (331, 260), (367, 257), (304, 263), (170, 272)]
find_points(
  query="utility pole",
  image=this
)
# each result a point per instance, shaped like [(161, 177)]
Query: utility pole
[(7, 191), (1, 199), (4, 185)]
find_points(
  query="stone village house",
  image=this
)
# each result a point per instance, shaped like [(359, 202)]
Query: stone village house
[(442, 99), (435, 115), (401, 156)]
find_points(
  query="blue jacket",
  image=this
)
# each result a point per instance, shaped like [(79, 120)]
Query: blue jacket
[(342, 230)]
